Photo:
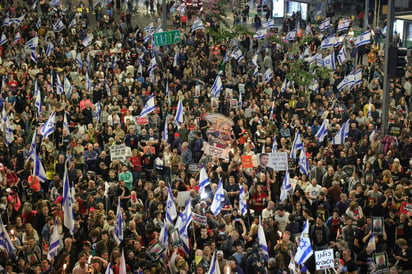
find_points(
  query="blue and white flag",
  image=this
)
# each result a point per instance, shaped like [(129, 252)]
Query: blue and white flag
[(363, 39), (328, 42), (342, 56), (268, 75), (339, 40), (179, 114), (262, 239), (38, 23), (184, 219), (149, 107), (79, 60), (66, 123), (242, 201), (260, 34), (152, 64), (197, 24), (67, 202), (9, 135), (342, 134), (325, 24), (256, 72), (5, 241), (141, 59), (165, 133), (303, 163), (149, 28), (54, 3), (60, 88), (268, 24), (3, 39), (118, 225), (18, 20), (304, 250), (214, 265), (37, 94), (285, 188), (322, 131), (17, 37), (291, 35), (33, 56), (275, 144), (6, 22), (58, 26), (296, 145), (49, 126), (32, 44), (314, 86), (329, 61), (203, 183), (109, 269), (284, 86), (343, 25), (88, 40), (164, 236), (73, 23), (38, 169), (217, 87), (68, 88), (357, 76), (218, 199), (238, 55), (54, 243), (348, 81), (171, 212), (50, 48)]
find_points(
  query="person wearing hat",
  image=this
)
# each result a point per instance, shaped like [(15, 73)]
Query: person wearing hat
[(177, 142)]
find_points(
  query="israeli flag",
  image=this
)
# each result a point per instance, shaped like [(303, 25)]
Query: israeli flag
[(17, 37), (357, 76), (184, 219), (218, 199), (6, 22), (38, 169), (238, 55), (109, 269), (149, 28), (79, 60), (171, 212), (54, 3), (329, 61), (148, 107), (38, 23), (214, 265), (217, 87), (325, 24), (344, 25), (328, 42), (152, 64), (33, 56), (58, 26), (54, 243), (179, 113), (322, 131), (50, 48), (203, 183), (9, 136), (37, 94), (118, 225), (5, 241), (88, 40), (268, 24), (165, 133), (363, 39), (34, 6), (275, 144), (303, 163), (197, 24), (66, 123), (263, 246), (342, 134), (268, 75), (67, 87), (342, 56), (31, 155), (348, 81), (304, 250), (242, 201), (284, 86), (261, 34), (291, 35), (32, 44), (285, 188), (59, 84), (73, 23), (3, 39), (49, 126), (67, 202), (164, 236), (315, 86), (339, 40), (18, 20), (296, 145)]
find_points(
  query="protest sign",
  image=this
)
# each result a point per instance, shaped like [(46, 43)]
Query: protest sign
[(324, 259)]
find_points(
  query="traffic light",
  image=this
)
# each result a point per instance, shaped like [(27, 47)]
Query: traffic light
[(397, 61), (401, 62)]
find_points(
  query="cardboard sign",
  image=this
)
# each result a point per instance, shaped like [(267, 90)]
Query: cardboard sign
[(324, 259), (278, 161), (199, 219), (142, 120), (406, 208), (193, 168), (182, 197), (120, 152), (222, 153), (247, 161), (395, 130)]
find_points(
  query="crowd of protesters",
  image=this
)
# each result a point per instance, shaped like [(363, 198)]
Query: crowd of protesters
[(346, 189)]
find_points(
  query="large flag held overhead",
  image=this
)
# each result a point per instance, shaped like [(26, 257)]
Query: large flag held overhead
[(268, 75), (184, 218), (179, 114), (54, 243), (262, 239), (149, 107), (285, 188), (291, 35), (328, 42), (304, 250), (218, 199), (342, 56), (238, 55), (118, 225), (164, 236), (322, 131), (203, 183), (363, 39), (296, 145), (329, 61), (88, 40), (342, 134), (171, 212), (67, 202), (197, 24), (49, 126), (303, 163), (344, 25), (325, 24), (217, 87)]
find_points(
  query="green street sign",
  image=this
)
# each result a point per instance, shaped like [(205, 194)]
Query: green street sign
[(166, 38)]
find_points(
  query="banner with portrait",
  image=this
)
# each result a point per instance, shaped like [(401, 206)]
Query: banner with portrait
[(219, 136)]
